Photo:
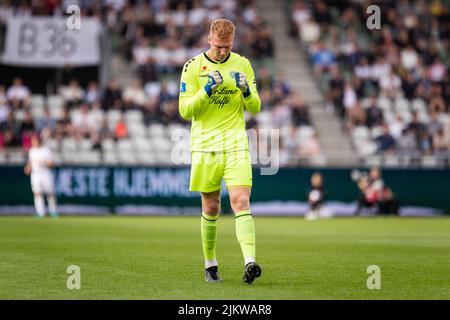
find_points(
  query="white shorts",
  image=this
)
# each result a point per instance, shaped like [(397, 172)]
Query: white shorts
[(42, 182)]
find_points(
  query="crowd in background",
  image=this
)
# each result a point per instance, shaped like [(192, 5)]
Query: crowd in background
[(156, 38), (395, 80)]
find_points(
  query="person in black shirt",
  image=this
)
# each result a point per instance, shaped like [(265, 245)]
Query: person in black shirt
[(316, 199)]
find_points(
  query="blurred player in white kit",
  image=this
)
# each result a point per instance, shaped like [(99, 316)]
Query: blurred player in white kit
[(40, 162)]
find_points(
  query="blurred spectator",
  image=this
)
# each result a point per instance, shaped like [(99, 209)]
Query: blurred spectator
[(396, 127), (441, 143), (375, 194), (4, 111), (73, 94), (374, 115), (407, 143), (27, 129), (310, 31), (390, 84), (148, 72), (316, 199), (310, 149), (18, 94), (83, 122), (300, 111), (92, 94), (104, 131), (47, 121), (386, 143), (323, 58), (112, 96), (121, 129), (134, 94)]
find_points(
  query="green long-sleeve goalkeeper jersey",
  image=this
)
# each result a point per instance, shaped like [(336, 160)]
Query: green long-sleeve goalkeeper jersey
[(217, 121)]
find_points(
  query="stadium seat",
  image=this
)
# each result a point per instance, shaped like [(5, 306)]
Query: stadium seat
[(367, 149), (423, 116), (85, 144), (137, 130), (391, 161), (372, 161), (429, 161), (56, 112), (418, 104), (388, 116), (97, 115), (162, 144), (108, 145), (89, 157), (113, 116), (152, 89), (2, 157), (156, 130), (70, 156), (37, 101), (360, 133), (146, 158), (401, 105), (376, 131), (133, 117), (124, 146), (384, 103), (52, 144), (55, 102), (304, 133), (69, 144), (16, 156), (19, 115), (37, 111), (142, 144), (128, 158), (110, 157)]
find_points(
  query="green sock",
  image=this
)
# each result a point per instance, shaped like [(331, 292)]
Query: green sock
[(209, 236), (245, 233)]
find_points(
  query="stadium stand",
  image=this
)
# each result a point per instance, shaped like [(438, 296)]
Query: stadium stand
[(391, 87), (131, 118)]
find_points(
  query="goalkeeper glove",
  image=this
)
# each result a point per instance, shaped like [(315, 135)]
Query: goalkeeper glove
[(214, 80), (241, 82)]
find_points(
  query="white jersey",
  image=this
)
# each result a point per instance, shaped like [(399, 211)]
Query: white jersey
[(41, 174), (38, 158)]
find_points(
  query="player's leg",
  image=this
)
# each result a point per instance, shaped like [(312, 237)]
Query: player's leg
[(206, 177), (39, 203), (238, 177), (50, 191), (208, 226)]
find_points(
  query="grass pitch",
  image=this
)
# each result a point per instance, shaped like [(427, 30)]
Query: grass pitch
[(161, 258)]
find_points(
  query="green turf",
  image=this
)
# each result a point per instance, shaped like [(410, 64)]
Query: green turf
[(160, 258)]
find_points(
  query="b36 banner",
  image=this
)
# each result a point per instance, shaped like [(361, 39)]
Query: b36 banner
[(48, 42)]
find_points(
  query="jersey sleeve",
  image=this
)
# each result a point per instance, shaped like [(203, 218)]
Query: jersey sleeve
[(252, 102), (192, 96)]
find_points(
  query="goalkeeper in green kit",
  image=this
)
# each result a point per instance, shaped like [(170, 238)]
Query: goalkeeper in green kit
[(215, 88)]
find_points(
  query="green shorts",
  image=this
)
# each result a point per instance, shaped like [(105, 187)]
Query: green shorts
[(208, 169)]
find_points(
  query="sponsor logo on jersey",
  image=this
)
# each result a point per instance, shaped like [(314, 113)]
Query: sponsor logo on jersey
[(183, 87)]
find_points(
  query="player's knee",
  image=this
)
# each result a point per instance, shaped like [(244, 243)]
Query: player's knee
[(240, 202), (212, 207)]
